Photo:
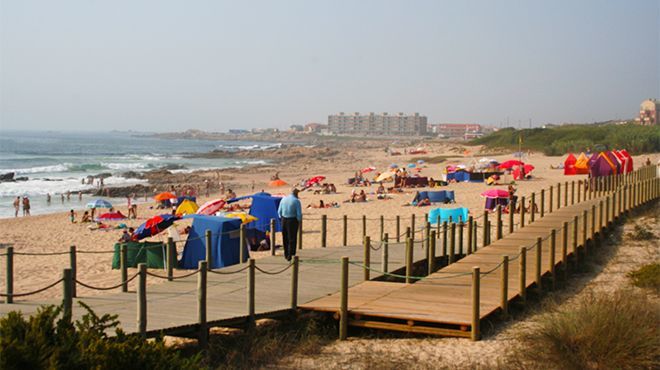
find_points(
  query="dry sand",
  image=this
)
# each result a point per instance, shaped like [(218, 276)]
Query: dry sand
[(54, 232)]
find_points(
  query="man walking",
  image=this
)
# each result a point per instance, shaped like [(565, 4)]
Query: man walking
[(290, 212)]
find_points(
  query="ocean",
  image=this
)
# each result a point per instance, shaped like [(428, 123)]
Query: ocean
[(56, 162)]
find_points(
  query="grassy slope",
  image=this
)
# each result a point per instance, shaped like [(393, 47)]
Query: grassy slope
[(576, 138)]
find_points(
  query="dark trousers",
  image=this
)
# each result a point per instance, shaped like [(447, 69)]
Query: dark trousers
[(289, 236)]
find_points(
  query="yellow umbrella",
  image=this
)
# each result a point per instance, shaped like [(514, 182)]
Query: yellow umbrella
[(384, 176), (245, 218), (187, 207)]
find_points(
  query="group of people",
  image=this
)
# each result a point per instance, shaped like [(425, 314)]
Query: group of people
[(86, 217), (326, 189), (25, 203)]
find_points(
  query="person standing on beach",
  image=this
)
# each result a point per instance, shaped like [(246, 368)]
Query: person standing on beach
[(80, 196), (17, 206), (26, 206), (207, 184), (290, 213), (62, 197), (48, 198)]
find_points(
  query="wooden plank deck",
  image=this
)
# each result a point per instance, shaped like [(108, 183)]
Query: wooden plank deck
[(441, 303)]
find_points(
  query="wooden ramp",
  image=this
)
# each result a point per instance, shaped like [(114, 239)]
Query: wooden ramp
[(441, 303)]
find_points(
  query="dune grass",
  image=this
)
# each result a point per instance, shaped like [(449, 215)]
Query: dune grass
[(647, 276)]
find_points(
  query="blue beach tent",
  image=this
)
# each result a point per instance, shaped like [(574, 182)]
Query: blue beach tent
[(446, 214), (224, 240), (264, 208)]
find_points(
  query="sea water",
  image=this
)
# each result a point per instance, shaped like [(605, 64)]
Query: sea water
[(56, 162)]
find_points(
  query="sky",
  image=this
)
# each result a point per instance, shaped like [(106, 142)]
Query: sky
[(171, 65)]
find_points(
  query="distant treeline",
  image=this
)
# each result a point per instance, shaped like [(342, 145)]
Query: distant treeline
[(577, 138)]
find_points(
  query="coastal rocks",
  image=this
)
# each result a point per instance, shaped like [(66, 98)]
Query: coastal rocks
[(171, 166), (5, 177), (132, 175), (102, 175), (21, 178)]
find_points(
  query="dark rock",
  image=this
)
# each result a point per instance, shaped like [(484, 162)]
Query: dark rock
[(102, 175), (132, 175), (172, 166), (22, 178), (9, 176)]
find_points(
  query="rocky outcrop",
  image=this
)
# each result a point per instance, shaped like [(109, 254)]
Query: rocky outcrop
[(7, 177)]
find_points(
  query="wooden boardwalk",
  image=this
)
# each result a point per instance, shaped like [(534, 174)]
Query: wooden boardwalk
[(442, 303)]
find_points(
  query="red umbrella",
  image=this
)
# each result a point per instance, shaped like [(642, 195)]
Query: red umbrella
[(368, 169), (314, 180), (211, 207), (528, 168), (111, 216), (154, 226), (510, 163), (495, 193)]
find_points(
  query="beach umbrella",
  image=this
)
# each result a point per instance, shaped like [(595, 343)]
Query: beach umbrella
[(495, 193), (510, 163), (384, 176), (211, 207), (111, 216), (411, 165), (314, 180), (164, 196), (187, 207), (420, 161), (528, 168), (368, 169), (394, 165), (154, 226), (99, 203), (276, 183)]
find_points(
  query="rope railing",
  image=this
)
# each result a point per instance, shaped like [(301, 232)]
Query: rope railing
[(88, 286), (273, 272), (172, 278), (15, 295), (40, 253)]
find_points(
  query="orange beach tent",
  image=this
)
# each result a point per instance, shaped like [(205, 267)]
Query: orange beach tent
[(582, 165), (276, 183)]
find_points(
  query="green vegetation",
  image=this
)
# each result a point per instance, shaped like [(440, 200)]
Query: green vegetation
[(577, 138), (603, 331), (641, 233), (47, 341), (269, 342), (647, 276)]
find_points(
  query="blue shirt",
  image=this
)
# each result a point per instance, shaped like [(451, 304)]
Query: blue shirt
[(290, 207)]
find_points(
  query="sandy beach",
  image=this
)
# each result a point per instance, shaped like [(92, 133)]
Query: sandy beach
[(55, 233)]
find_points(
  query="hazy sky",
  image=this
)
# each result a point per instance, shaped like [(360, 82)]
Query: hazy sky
[(173, 65)]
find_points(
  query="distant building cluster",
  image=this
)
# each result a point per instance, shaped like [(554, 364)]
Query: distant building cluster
[(464, 131), (377, 124), (648, 112)]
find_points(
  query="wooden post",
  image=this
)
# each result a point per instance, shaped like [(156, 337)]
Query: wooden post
[(522, 212), (398, 228), (67, 294), (386, 253), (324, 231), (345, 230), (566, 194), (427, 238), (550, 199), (474, 237), (170, 252), (601, 224), (511, 220), (551, 259), (460, 238), (408, 232), (343, 307), (382, 226), (366, 242), (409, 259), (209, 248), (532, 206), (564, 249), (437, 225), (475, 334), (522, 272), (203, 336), (141, 323), (572, 192), (504, 286), (242, 244), (364, 226), (273, 238), (579, 191), (123, 265), (431, 260), (250, 291), (559, 195), (452, 243), (9, 276), (412, 226), (294, 282), (469, 236), (575, 238), (537, 271), (445, 236), (486, 230), (498, 231), (542, 203), (72, 266), (584, 230)]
